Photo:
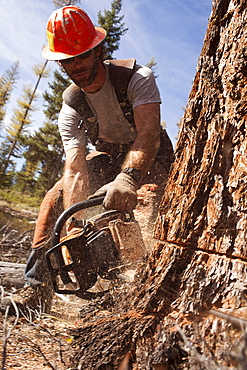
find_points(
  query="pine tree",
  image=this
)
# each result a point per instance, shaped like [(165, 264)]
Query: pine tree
[(7, 179), (7, 82), (60, 3), (152, 64), (44, 147), (44, 160), (19, 122), (53, 100), (112, 23)]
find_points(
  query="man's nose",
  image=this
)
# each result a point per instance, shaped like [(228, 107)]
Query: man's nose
[(78, 62)]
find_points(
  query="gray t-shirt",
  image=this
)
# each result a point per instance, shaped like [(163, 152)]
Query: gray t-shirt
[(113, 127)]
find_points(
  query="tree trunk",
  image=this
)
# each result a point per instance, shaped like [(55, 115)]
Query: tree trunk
[(169, 318)]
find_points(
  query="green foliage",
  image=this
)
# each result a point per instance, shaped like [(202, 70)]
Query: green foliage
[(44, 150), (10, 147), (44, 160), (60, 3), (53, 100), (152, 64), (112, 23), (19, 122), (25, 179), (7, 82), (6, 178), (18, 198)]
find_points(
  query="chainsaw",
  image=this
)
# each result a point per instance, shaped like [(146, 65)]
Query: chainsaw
[(103, 247)]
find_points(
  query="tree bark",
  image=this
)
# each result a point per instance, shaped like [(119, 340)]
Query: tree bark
[(167, 318)]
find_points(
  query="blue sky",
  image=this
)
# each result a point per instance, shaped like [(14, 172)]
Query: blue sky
[(171, 31)]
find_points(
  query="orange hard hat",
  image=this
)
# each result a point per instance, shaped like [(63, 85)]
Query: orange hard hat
[(70, 32)]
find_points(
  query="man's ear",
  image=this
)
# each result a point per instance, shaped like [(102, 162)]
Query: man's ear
[(98, 50)]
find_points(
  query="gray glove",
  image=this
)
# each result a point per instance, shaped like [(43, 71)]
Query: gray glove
[(120, 193)]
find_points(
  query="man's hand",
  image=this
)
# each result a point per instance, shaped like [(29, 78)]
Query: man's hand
[(120, 193)]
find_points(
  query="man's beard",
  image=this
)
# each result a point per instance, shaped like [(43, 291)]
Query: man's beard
[(87, 77)]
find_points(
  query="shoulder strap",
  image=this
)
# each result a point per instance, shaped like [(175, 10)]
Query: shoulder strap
[(120, 72), (75, 98)]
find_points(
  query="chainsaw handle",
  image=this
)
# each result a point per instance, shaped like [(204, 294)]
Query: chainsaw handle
[(92, 202)]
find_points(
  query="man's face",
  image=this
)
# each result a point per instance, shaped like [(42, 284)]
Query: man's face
[(83, 68)]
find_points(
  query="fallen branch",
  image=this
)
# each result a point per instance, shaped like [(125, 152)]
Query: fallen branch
[(12, 274)]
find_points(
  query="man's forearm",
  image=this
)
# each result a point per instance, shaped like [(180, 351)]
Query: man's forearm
[(141, 160), (75, 178), (75, 188), (144, 149)]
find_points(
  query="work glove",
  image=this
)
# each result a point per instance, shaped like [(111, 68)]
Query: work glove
[(120, 193)]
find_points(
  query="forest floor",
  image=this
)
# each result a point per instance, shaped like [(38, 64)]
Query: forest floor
[(36, 341), (42, 341)]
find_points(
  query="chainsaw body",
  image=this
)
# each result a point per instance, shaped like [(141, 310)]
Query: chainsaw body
[(104, 247)]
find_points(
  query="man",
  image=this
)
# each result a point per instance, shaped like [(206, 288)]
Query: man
[(117, 106)]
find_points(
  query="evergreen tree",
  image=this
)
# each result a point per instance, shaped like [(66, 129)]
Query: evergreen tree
[(152, 64), (60, 3), (112, 23), (19, 123), (25, 180), (7, 179), (7, 82), (53, 100), (44, 160), (44, 147)]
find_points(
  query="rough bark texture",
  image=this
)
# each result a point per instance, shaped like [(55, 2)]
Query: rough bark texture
[(200, 260), (205, 201)]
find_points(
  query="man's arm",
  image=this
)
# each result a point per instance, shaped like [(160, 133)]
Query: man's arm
[(145, 147), (121, 193), (75, 179)]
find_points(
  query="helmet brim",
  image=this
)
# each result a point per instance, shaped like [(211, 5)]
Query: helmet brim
[(48, 54)]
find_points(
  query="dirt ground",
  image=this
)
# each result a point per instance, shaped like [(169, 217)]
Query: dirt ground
[(43, 342), (37, 341)]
